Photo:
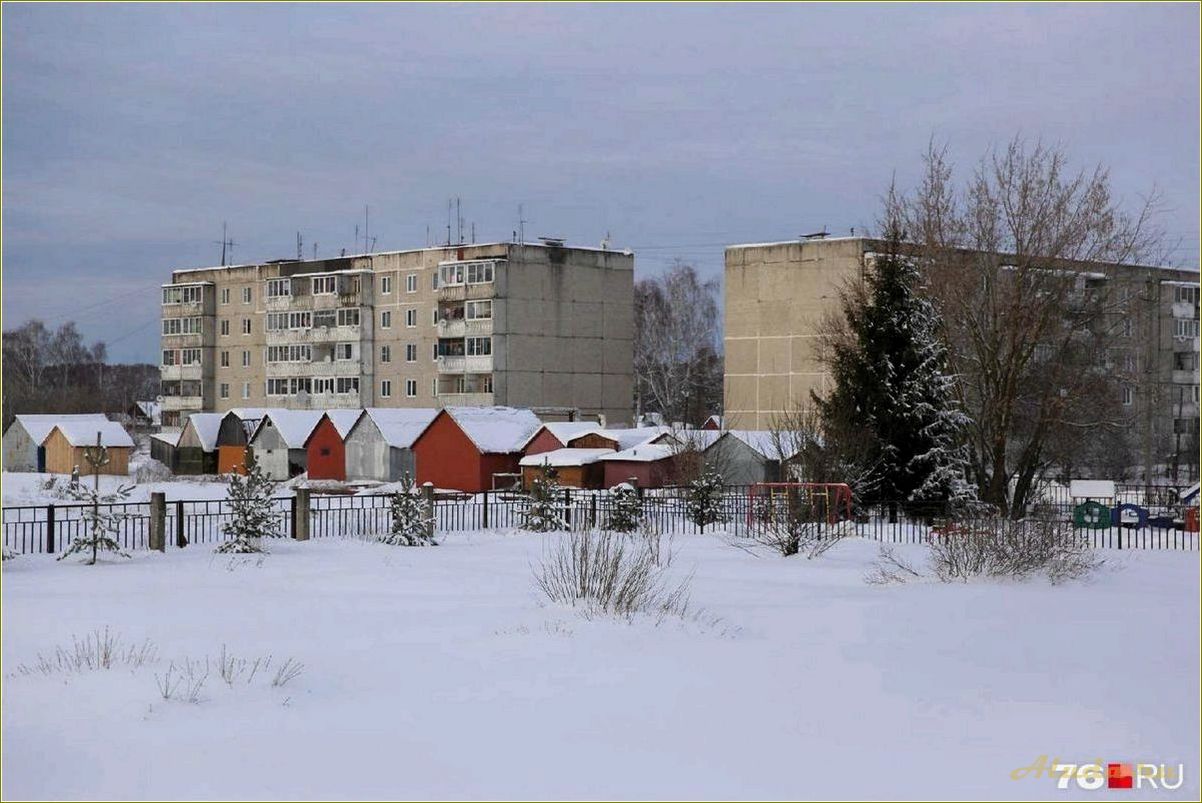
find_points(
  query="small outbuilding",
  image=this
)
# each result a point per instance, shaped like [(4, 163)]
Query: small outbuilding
[(278, 443), (473, 449), (196, 449), (745, 457), (23, 439), (145, 415), (651, 465), (233, 437), (326, 445), (67, 443), (574, 468), (162, 447), (379, 446), (556, 435)]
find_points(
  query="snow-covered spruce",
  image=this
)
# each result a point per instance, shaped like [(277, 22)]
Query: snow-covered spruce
[(254, 517), (101, 521), (625, 508), (703, 504), (411, 521), (542, 513), (892, 382)]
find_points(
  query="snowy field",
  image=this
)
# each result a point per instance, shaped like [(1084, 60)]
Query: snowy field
[(441, 673)]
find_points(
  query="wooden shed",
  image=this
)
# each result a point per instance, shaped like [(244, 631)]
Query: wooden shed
[(162, 447), (233, 437), (23, 450), (745, 457), (380, 445), (651, 464), (326, 444), (574, 468), (556, 435), (196, 450), (465, 448), (66, 444), (278, 443)]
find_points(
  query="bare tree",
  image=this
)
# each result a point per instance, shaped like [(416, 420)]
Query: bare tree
[(677, 366), (1028, 326)]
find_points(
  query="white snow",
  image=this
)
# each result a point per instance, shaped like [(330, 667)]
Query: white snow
[(633, 436), (38, 426), (167, 435), (643, 453), (496, 430), (28, 488), (442, 674), (206, 426), (294, 426), (565, 457), (83, 433), (400, 426), (343, 420), (563, 431), (1092, 489)]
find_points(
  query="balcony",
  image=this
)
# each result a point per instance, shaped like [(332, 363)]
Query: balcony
[(170, 373), (466, 399), (316, 334), (474, 364), (454, 327), (1185, 410), (1185, 377), (463, 292), (1184, 309), (182, 403), (317, 368), (182, 341), (1185, 344)]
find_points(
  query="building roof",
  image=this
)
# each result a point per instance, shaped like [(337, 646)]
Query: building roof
[(38, 425), (565, 457), (564, 431), (344, 420), (400, 426), (626, 438), (496, 430), (643, 453), (169, 436), (83, 433), (151, 409), (763, 442), (294, 426), (206, 426)]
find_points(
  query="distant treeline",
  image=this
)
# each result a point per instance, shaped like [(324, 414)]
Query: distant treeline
[(54, 371)]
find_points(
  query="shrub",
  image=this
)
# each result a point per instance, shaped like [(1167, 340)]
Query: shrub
[(625, 508), (1007, 548), (254, 518), (703, 505), (410, 520), (542, 513)]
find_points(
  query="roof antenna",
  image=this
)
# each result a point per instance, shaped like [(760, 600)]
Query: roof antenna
[(225, 243), (315, 249), (300, 248)]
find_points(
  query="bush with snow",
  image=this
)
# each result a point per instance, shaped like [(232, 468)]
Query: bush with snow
[(543, 513), (254, 517), (625, 508), (703, 504), (101, 522), (410, 519)]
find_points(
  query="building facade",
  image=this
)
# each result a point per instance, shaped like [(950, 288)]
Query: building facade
[(525, 325), (779, 294)]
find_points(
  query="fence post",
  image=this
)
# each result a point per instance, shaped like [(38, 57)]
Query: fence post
[(592, 511), (300, 518), (50, 529), (567, 508), (484, 525), (158, 521), (428, 501), (180, 540)]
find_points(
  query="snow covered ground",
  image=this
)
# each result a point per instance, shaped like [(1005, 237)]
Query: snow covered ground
[(441, 673), (24, 488)]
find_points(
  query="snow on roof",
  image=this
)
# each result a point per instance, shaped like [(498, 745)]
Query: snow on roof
[(151, 409), (716, 420), (763, 442), (343, 420), (1175, 283), (1190, 493), (643, 453), (252, 412), (565, 457), (39, 425), (400, 426), (169, 436), (294, 426), (83, 433), (626, 438), (564, 431), (496, 430), (206, 426), (794, 241)]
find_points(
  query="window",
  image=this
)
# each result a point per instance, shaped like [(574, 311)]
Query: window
[(246, 295), (411, 283), (385, 284), (344, 351), (245, 358), (323, 384), (1185, 295), (225, 359), (181, 326), (1129, 362), (246, 390), (300, 320), (348, 316), (1126, 327), (225, 327), (479, 346), (386, 388), (1185, 361), (325, 285), (410, 352), (435, 357), (411, 388), (479, 272), (182, 294), (246, 326), (385, 353), (434, 387), (450, 274), (170, 357), (279, 287), (225, 295), (1128, 396), (1186, 328), (434, 280), (411, 318), (486, 384), (172, 326), (277, 387), (478, 310), (190, 356), (435, 317), (325, 318), (347, 384), (225, 390), (386, 319), (301, 352)]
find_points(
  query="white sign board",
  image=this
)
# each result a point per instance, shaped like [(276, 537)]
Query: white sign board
[(1091, 489)]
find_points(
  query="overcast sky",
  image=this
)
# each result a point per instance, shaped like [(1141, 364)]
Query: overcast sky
[(131, 132)]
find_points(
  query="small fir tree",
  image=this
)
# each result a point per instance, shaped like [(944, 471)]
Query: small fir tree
[(703, 505), (250, 498), (626, 509), (410, 519), (7, 554), (100, 526), (542, 513)]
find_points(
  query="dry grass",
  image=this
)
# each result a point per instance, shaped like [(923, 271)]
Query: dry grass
[(100, 649)]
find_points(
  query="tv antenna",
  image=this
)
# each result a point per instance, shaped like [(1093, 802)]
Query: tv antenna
[(225, 243), (300, 248)]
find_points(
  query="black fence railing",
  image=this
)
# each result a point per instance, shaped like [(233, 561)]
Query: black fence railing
[(1163, 523)]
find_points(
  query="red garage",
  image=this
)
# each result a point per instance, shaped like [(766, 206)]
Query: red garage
[(651, 464), (325, 445), (464, 447)]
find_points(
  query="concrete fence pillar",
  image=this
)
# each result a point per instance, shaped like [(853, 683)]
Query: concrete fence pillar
[(428, 504), (158, 521), (301, 517)]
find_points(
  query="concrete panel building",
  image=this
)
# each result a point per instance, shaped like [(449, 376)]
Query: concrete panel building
[(526, 325), (778, 294)]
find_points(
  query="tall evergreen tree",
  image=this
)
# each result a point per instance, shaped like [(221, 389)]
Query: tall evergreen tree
[(891, 381)]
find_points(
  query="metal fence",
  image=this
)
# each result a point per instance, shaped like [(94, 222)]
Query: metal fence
[(51, 528)]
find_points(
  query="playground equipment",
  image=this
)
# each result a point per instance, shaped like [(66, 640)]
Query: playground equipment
[(814, 500)]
